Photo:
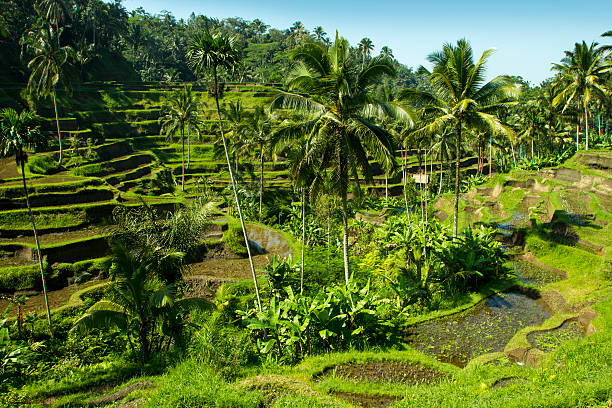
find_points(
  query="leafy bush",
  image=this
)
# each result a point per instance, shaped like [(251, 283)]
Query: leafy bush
[(473, 260), (550, 160), (223, 347), (338, 317)]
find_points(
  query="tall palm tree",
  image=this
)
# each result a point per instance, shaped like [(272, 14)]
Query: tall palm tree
[(531, 124), (607, 47), (582, 75), (462, 99), (337, 112), (236, 115), (386, 52), (181, 112), (256, 131), (209, 53), (365, 49), (17, 133), (319, 33), (46, 67), (55, 12)]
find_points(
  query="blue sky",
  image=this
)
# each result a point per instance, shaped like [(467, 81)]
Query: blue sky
[(528, 35)]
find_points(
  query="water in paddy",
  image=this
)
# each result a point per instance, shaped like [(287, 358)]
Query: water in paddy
[(518, 220), (531, 274), (551, 339), (485, 328)]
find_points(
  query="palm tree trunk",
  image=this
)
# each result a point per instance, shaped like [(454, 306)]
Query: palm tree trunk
[(577, 133), (345, 238), (261, 179), (183, 159), (586, 126), (441, 171), (513, 155), (386, 187), (599, 124), (59, 134), (39, 255), (229, 167), (457, 181), (490, 152), (188, 146), (404, 181), (404, 177), (303, 240)]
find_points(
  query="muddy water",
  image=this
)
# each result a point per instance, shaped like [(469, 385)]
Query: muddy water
[(267, 241), (531, 274), (485, 328), (549, 340)]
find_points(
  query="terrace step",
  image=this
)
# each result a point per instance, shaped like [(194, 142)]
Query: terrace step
[(117, 165), (129, 174), (89, 195), (53, 238)]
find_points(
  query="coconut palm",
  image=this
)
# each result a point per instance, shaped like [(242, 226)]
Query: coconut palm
[(531, 124), (386, 52), (54, 12), (46, 67), (210, 53), (256, 131), (607, 47), (582, 76), (462, 99), (17, 133), (365, 49), (236, 115), (337, 113), (319, 33), (138, 305), (181, 112)]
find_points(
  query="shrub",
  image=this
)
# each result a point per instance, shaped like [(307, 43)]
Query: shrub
[(225, 348)]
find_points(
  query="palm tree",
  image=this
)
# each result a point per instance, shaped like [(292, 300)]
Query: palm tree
[(319, 33), (462, 99), (607, 47), (182, 111), (210, 53), (47, 67), (582, 75), (365, 49), (531, 124), (337, 112), (138, 305), (236, 115), (54, 11), (257, 131), (17, 133), (387, 52)]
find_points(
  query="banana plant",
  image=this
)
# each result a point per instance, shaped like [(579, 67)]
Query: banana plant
[(270, 323)]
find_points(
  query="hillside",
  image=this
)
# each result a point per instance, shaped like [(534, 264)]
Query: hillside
[(556, 223)]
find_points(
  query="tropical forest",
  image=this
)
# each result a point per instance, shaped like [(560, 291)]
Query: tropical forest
[(213, 212)]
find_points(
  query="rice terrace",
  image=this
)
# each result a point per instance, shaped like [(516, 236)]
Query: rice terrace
[(202, 210)]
